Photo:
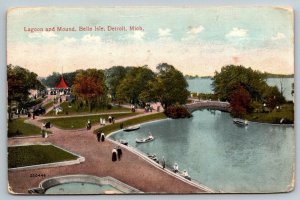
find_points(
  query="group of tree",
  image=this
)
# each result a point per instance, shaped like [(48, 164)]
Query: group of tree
[(52, 80), (89, 88), (242, 87), (141, 85), (20, 82), (135, 85)]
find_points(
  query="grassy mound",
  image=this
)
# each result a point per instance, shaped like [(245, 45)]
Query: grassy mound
[(17, 127), (21, 156), (80, 122)]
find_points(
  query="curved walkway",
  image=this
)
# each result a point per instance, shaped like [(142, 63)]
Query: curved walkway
[(132, 169)]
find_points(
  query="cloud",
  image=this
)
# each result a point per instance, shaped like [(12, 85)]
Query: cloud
[(279, 36), (164, 32), (195, 30), (46, 35), (137, 35), (69, 40), (237, 32), (91, 38)]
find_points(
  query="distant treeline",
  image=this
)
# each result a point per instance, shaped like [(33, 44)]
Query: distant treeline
[(266, 75), (269, 75), (196, 76)]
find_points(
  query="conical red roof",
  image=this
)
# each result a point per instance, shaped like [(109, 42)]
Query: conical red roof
[(62, 84)]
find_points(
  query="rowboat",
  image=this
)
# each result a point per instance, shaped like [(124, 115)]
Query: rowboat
[(124, 142), (240, 122), (132, 128), (144, 140)]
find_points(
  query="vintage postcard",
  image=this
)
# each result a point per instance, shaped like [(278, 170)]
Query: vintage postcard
[(150, 100)]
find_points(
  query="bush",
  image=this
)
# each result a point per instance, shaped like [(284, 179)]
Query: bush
[(109, 106), (177, 111)]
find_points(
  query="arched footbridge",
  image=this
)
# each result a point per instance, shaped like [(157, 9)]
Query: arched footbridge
[(206, 104)]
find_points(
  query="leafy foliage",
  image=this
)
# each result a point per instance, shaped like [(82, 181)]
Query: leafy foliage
[(134, 83), (114, 76), (241, 86), (240, 100), (89, 87), (20, 81), (170, 86), (231, 75), (177, 111), (53, 79)]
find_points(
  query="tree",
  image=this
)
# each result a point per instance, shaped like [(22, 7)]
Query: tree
[(231, 75), (114, 76), (20, 81), (273, 97), (53, 79), (89, 87), (134, 83), (69, 78), (240, 100), (170, 86)]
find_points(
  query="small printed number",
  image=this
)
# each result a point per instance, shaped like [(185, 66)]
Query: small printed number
[(37, 175)]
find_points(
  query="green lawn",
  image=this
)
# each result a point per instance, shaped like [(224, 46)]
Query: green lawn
[(17, 127), (80, 122), (110, 128), (21, 156), (72, 109), (274, 117)]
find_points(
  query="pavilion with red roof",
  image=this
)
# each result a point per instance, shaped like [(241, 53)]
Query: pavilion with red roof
[(62, 84)]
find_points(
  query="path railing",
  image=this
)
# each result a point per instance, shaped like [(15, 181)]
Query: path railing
[(206, 104)]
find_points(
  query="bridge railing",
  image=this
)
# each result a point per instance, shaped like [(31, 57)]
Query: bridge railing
[(217, 105)]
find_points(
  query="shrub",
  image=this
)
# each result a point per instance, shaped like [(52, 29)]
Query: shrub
[(177, 111)]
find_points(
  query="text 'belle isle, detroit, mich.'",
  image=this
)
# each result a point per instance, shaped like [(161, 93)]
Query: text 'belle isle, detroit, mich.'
[(83, 28)]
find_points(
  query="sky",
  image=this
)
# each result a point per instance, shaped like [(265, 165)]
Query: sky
[(195, 40)]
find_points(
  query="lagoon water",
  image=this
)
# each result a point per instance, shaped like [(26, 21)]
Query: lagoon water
[(220, 154), (80, 188), (203, 85)]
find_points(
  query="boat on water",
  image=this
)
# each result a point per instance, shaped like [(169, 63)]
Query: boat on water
[(132, 128), (144, 140), (124, 142), (153, 157), (240, 122), (183, 173)]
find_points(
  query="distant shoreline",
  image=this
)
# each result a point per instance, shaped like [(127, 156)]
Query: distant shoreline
[(267, 75)]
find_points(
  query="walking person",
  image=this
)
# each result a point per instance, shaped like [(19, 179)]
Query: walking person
[(88, 125), (102, 137), (114, 155), (119, 151), (98, 136)]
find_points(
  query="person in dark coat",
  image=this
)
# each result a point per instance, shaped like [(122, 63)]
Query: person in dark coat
[(102, 137), (98, 136), (119, 150), (114, 155)]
